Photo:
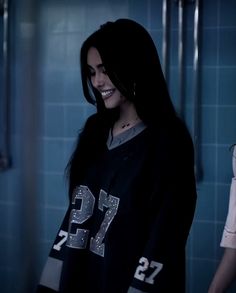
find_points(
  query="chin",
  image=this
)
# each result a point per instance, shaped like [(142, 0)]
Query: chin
[(111, 104)]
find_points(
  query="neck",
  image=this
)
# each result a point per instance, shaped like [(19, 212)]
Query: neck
[(127, 113), (128, 118), (128, 123)]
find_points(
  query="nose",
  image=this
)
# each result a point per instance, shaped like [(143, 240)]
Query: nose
[(98, 80)]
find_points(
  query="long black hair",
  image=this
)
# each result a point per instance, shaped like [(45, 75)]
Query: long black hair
[(131, 60)]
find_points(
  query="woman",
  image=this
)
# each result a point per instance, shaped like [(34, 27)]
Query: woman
[(225, 274), (131, 176)]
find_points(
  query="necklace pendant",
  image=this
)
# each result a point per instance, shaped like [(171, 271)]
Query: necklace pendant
[(125, 125)]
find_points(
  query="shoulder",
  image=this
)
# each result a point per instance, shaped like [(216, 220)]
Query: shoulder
[(98, 121), (172, 147), (95, 132), (91, 120), (175, 134), (90, 125)]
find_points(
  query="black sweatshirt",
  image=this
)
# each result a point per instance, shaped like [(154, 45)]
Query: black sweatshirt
[(128, 221)]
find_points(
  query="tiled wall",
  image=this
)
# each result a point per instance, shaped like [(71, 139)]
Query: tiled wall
[(61, 26)]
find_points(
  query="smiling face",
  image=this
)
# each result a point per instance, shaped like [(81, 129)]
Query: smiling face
[(110, 94)]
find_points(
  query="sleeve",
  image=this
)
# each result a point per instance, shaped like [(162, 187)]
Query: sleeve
[(50, 277), (161, 267), (229, 233)]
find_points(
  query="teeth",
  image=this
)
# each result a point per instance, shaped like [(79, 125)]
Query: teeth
[(106, 93)]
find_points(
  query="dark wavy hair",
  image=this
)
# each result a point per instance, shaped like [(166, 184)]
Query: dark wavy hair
[(132, 63)]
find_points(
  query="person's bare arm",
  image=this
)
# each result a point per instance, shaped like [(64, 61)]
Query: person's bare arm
[(225, 273)]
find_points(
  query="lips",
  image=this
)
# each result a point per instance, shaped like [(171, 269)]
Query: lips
[(107, 93)]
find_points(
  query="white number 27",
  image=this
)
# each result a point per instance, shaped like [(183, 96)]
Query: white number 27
[(144, 265)]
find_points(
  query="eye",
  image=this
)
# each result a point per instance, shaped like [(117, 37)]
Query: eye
[(91, 72), (104, 70)]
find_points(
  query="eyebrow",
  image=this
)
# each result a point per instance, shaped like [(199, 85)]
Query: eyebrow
[(97, 66)]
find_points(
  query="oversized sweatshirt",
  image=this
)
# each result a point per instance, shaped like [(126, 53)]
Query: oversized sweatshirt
[(128, 221)]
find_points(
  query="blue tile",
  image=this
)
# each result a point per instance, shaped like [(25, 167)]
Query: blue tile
[(100, 12), (189, 274), (208, 155), (76, 16), (70, 145), (174, 48), (208, 51), (188, 118), (218, 249), (74, 119), (224, 164), (174, 12), (227, 47), (138, 11), (189, 244), (4, 195), (187, 48), (222, 202), (54, 120), (205, 202), (54, 51), (13, 183), (188, 52), (53, 85), (227, 13), (208, 125), (55, 190), (6, 277), (226, 131), (156, 14), (203, 240), (73, 44), (53, 17), (45, 247), (54, 155), (227, 86), (1, 37), (209, 13), (52, 227), (189, 14), (208, 85), (73, 87), (189, 80), (202, 275), (5, 229)]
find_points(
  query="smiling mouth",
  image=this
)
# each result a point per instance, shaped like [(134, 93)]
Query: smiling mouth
[(107, 94)]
